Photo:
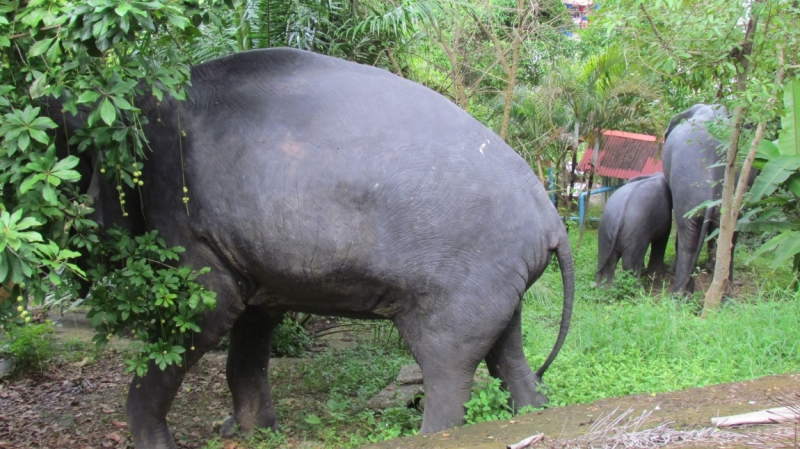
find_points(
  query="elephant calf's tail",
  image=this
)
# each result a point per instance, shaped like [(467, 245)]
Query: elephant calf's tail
[(564, 255)]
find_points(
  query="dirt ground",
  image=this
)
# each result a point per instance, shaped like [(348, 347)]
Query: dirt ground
[(79, 404), (685, 410)]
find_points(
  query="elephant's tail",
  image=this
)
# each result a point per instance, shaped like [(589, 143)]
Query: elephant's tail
[(564, 256), (611, 244)]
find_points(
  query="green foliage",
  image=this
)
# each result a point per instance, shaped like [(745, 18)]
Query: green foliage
[(773, 199), (98, 57), (137, 291), (654, 344), (360, 372), (489, 403), (290, 339), (31, 345), (267, 439), (626, 287)]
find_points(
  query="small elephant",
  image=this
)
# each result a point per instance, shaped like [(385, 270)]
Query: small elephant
[(636, 216)]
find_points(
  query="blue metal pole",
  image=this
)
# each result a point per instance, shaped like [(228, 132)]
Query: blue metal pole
[(550, 185), (582, 196)]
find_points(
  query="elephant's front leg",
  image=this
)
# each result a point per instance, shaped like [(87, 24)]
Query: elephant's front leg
[(248, 369), (150, 397)]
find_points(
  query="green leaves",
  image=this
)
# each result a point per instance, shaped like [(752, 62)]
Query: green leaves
[(11, 234), (488, 404), (775, 195), (789, 138), (786, 244), (156, 301), (15, 245), (19, 127), (76, 68), (48, 173), (776, 171), (107, 112)]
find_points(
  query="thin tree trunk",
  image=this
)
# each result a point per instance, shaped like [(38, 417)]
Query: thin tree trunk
[(595, 157), (512, 75), (571, 183), (394, 63), (728, 216), (541, 173)]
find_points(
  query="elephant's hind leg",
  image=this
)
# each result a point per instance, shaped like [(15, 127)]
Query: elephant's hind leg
[(656, 265), (506, 361), (609, 258), (448, 342), (247, 371), (633, 258)]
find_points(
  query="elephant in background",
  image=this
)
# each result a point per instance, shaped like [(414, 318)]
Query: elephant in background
[(694, 169), (324, 186), (637, 216)]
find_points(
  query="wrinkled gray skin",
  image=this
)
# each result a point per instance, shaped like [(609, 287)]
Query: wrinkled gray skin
[(323, 186), (694, 174), (638, 215)]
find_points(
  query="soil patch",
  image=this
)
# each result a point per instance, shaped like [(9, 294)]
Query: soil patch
[(685, 409)]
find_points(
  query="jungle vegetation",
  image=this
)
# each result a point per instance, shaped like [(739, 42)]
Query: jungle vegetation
[(521, 67)]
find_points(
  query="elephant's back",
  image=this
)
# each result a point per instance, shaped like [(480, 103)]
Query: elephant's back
[(690, 155), (343, 165), (288, 106)]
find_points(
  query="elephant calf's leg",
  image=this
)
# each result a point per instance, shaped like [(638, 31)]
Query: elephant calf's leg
[(607, 268), (633, 258), (506, 361), (247, 371), (655, 265)]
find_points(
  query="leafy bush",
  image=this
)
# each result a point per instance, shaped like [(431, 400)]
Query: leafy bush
[(290, 339), (31, 345), (489, 403), (626, 287), (159, 304), (396, 422), (361, 372)]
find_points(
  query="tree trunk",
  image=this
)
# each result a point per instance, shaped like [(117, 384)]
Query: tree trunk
[(729, 216), (516, 43), (571, 184), (595, 157)]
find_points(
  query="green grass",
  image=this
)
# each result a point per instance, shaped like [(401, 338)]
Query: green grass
[(638, 343)]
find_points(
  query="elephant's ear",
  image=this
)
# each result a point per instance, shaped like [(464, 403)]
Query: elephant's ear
[(689, 113)]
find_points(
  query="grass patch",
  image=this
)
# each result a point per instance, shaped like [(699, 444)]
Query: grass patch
[(638, 343)]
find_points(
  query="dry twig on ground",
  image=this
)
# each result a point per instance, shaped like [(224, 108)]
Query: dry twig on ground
[(622, 431)]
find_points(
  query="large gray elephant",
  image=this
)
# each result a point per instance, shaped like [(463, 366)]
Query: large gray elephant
[(694, 171), (323, 186), (637, 216)]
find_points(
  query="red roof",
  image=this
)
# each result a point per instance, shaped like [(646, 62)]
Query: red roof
[(624, 155)]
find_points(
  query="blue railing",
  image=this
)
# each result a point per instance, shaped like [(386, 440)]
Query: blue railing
[(581, 197)]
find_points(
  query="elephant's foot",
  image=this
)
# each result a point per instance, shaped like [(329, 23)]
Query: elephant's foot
[(230, 428), (156, 436)]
